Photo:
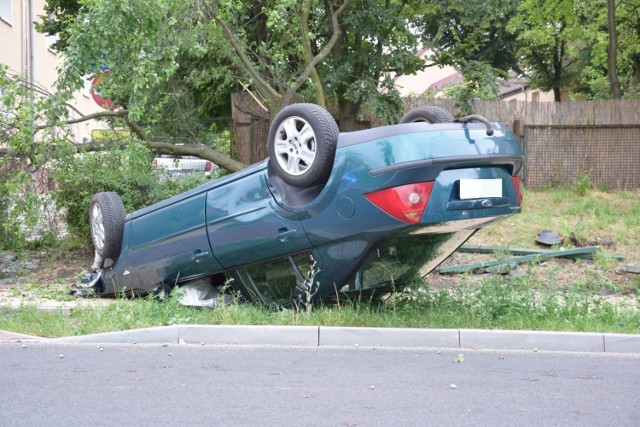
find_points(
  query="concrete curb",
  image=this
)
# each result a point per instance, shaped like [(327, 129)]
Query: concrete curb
[(14, 336), (314, 336)]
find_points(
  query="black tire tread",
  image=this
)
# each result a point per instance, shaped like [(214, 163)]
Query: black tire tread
[(113, 214), (326, 143), (429, 114)]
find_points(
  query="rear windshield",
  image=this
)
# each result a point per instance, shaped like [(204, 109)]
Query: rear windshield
[(394, 263)]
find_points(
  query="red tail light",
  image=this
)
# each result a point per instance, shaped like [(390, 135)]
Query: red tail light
[(406, 202), (516, 184), (208, 167)]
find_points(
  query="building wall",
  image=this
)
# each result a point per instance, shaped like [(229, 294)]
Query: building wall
[(440, 77), (26, 52), (417, 84), (530, 95)]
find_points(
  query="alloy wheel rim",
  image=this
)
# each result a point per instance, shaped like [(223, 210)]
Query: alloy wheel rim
[(295, 145), (97, 226)]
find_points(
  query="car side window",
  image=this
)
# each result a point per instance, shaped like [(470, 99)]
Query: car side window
[(279, 281), (394, 261)]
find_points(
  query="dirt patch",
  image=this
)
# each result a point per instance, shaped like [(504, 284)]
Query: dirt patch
[(44, 279)]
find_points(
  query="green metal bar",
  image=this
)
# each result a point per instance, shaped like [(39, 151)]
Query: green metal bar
[(518, 251), (518, 260), (587, 254)]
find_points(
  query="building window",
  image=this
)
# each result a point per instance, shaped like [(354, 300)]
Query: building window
[(6, 11), (279, 281)]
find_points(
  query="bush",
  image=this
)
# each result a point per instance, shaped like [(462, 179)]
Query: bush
[(126, 171)]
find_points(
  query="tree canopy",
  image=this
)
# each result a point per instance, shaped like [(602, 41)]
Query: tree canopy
[(170, 65), (177, 60)]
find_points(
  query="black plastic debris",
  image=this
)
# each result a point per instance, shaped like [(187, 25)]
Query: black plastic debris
[(549, 238)]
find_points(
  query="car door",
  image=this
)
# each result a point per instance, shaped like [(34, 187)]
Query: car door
[(245, 224), (168, 244)]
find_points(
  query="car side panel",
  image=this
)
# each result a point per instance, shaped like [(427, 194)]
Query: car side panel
[(243, 226), (167, 245)]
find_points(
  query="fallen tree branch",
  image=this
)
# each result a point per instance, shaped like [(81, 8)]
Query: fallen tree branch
[(198, 150)]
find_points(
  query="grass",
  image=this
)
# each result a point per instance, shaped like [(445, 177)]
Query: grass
[(554, 295), (498, 302), (598, 217)]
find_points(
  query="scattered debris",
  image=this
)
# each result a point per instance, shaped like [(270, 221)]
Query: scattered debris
[(201, 293), (631, 268), (578, 242), (502, 269), (575, 240), (459, 359), (13, 267), (536, 255), (587, 254), (549, 238)]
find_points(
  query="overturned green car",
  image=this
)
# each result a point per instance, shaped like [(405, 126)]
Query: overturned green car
[(328, 213)]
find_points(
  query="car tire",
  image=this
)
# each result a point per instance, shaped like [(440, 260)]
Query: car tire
[(302, 144), (106, 220), (427, 114)]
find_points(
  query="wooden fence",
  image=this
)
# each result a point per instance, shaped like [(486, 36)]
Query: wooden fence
[(250, 129), (562, 141)]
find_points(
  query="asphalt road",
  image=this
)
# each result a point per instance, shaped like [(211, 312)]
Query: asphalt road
[(153, 385)]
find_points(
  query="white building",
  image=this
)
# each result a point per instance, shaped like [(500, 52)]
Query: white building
[(27, 52), (434, 79)]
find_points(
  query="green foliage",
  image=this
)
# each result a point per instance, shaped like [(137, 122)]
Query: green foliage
[(162, 66), (79, 176), (480, 82), (22, 155), (377, 39), (182, 59), (463, 31), (583, 185), (58, 15), (127, 171), (593, 82), (550, 33)]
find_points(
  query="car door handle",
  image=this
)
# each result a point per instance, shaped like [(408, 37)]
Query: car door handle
[(199, 255), (284, 234)]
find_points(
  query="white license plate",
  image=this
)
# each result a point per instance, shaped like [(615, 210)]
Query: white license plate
[(480, 188)]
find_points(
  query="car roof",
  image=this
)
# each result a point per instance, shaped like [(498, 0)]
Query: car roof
[(357, 137)]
